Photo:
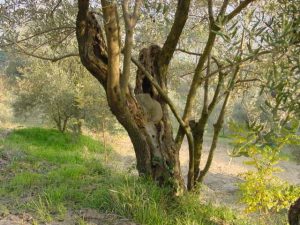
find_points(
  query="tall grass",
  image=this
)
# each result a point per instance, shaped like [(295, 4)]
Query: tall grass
[(48, 173)]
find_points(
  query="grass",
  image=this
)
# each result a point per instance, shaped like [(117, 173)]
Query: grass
[(47, 174)]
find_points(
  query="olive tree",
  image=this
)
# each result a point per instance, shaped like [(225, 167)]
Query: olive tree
[(107, 46), (63, 93)]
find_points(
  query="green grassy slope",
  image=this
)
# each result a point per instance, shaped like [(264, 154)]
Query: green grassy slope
[(47, 174)]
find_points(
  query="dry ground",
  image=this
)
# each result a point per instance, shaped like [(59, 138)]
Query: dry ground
[(221, 181)]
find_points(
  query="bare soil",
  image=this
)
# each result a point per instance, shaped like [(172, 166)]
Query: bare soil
[(89, 216), (224, 175)]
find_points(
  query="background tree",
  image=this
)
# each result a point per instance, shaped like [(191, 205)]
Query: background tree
[(5, 100), (62, 93)]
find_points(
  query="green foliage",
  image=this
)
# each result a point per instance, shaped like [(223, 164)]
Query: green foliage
[(262, 191), (49, 174), (5, 100), (14, 65), (63, 93)]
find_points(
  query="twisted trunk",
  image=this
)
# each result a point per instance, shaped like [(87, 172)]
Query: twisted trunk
[(153, 142)]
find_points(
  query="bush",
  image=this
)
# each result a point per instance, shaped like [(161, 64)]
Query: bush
[(64, 94), (262, 191)]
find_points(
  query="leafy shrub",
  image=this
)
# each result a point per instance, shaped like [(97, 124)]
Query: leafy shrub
[(262, 191)]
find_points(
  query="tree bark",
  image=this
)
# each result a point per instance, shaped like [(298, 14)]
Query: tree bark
[(294, 213), (153, 143)]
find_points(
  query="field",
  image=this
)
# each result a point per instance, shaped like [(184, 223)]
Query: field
[(52, 178)]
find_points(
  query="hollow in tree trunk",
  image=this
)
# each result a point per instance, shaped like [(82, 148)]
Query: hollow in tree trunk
[(156, 154)]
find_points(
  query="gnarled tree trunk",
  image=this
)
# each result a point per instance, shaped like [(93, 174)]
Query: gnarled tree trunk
[(154, 145), (156, 151), (164, 156)]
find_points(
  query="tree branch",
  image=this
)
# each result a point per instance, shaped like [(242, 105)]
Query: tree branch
[(196, 82), (196, 54), (238, 9), (210, 12), (52, 59), (114, 50), (217, 128), (223, 8), (248, 80), (206, 83), (55, 7), (130, 22), (188, 52), (239, 63), (169, 47), (92, 46), (35, 35)]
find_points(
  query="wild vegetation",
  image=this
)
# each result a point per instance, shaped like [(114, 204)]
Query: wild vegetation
[(203, 69), (49, 173)]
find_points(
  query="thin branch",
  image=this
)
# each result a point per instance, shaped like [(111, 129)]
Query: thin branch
[(206, 83), (35, 35), (196, 54), (169, 46), (130, 23), (126, 13), (186, 74), (55, 7), (238, 9), (210, 11), (217, 92), (239, 63), (248, 80), (58, 42), (223, 8), (188, 52), (52, 59), (136, 9)]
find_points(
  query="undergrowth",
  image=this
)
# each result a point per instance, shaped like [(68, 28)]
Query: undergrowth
[(47, 174)]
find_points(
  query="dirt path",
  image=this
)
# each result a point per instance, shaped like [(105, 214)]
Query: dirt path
[(224, 173), (227, 166)]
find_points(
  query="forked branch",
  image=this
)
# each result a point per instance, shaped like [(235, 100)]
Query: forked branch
[(169, 47), (130, 22)]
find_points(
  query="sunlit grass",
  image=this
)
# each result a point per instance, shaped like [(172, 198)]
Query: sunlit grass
[(48, 173)]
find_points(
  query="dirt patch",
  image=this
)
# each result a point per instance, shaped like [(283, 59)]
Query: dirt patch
[(23, 219), (221, 182), (89, 216), (93, 217), (4, 133), (3, 162), (223, 164)]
